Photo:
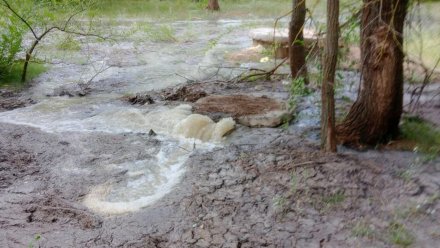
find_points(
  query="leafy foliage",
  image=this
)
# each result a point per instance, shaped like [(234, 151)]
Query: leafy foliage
[(425, 135), (11, 36), (297, 89)]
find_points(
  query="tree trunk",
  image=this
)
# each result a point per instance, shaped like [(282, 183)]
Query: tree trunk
[(297, 53), (28, 58), (213, 5), (375, 115), (328, 137)]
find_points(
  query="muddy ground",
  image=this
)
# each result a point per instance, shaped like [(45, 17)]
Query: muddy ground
[(265, 187)]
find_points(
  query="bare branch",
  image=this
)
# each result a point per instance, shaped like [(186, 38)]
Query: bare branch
[(266, 74), (8, 6)]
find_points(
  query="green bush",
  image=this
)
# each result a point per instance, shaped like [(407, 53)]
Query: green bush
[(11, 36)]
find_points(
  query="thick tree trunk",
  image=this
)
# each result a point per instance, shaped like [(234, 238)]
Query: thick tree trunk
[(328, 136), (297, 52), (375, 115), (213, 5)]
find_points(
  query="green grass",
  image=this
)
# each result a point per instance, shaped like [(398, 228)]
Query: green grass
[(399, 235), (188, 9), (425, 135), (12, 80), (161, 33), (362, 229), (334, 199)]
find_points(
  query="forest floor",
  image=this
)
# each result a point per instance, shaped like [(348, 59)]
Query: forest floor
[(266, 187)]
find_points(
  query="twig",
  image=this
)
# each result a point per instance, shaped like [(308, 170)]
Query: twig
[(265, 74), (418, 91), (97, 73)]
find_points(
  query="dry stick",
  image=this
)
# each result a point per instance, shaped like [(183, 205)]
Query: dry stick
[(102, 70), (266, 74)]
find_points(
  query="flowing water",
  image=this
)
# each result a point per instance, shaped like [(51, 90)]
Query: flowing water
[(136, 64), (132, 65)]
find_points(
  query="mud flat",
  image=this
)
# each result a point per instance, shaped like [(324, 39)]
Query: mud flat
[(263, 187)]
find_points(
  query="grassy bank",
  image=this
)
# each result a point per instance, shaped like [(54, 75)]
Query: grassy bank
[(12, 78), (424, 136), (187, 9)]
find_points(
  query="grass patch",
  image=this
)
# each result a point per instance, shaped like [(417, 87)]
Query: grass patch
[(12, 79), (161, 33), (425, 136), (187, 9), (362, 230), (399, 235), (334, 199)]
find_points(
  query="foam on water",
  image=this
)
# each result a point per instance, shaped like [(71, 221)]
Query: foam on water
[(144, 181), (65, 114), (203, 128)]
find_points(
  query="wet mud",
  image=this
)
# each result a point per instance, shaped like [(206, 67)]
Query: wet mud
[(257, 187), (268, 188)]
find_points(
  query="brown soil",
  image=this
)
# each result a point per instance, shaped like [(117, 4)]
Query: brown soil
[(10, 100), (236, 105), (185, 93), (140, 99)]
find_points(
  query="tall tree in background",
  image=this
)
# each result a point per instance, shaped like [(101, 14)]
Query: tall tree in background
[(213, 5), (375, 115), (328, 136), (297, 51)]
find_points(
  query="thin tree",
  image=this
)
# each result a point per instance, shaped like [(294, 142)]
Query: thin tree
[(297, 52), (213, 5), (375, 115), (328, 135), (39, 33)]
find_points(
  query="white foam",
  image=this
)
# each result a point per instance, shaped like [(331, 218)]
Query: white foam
[(145, 181), (147, 187)]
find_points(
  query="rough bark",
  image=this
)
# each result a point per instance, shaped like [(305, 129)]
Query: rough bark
[(297, 52), (213, 5), (328, 137), (375, 115)]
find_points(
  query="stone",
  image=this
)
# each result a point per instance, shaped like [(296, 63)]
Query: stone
[(250, 111), (268, 38), (269, 119), (183, 93), (72, 90), (140, 99)]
